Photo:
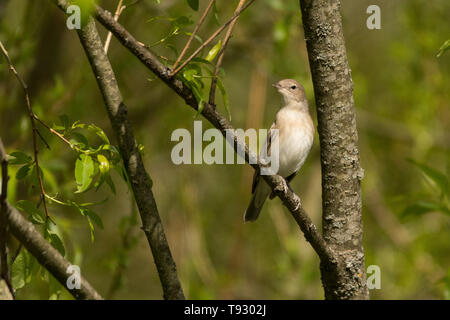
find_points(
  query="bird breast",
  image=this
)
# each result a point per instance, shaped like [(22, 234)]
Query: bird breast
[(296, 134)]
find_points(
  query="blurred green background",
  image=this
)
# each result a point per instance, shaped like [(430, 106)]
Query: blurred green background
[(401, 91)]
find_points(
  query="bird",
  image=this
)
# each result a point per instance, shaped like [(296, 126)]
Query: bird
[(295, 138)]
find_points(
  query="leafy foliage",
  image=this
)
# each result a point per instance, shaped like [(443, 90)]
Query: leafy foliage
[(401, 113)]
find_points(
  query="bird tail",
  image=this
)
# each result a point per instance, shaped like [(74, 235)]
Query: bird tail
[(256, 204)]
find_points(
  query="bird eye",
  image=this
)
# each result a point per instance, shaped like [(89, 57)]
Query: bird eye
[(293, 87)]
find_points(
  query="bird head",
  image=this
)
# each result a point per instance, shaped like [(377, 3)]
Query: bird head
[(291, 90)]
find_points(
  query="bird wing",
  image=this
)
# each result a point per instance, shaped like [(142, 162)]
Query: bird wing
[(266, 147)]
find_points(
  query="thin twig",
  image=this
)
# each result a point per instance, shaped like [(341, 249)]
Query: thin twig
[(117, 14), (212, 91), (197, 27), (211, 38), (33, 124), (56, 133)]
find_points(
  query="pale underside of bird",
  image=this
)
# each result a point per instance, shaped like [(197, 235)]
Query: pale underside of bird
[(294, 129)]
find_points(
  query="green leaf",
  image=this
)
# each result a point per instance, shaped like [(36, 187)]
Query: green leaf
[(445, 46), (18, 272), (84, 171), (80, 138), (188, 74), (123, 174), (91, 215), (99, 132), (94, 217), (19, 158), (214, 51), (181, 22), (54, 287), (436, 176), (193, 4), (22, 173), (421, 207), (103, 164), (197, 37), (110, 183), (35, 215), (201, 60), (22, 269), (56, 242), (201, 105), (196, 91), (223, 91)]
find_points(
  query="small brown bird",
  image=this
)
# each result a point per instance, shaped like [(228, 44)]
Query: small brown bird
[(295, 138)]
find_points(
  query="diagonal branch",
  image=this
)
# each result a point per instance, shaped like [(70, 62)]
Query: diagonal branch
[(47, 255), (276, 182), (44, 252), (139, 178)]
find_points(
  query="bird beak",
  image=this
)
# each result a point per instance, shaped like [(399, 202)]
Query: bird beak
[(276, 85)]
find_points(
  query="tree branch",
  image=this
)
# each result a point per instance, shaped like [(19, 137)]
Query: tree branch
[(46, 254), (341, 171), (276, 182), (139, 179)]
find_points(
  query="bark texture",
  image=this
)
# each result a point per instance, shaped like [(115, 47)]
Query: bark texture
[(341, 171)]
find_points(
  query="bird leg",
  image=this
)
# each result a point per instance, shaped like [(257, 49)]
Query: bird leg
[(282, 188)]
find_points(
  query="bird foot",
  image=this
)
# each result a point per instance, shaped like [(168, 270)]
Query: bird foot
[(282, 188)]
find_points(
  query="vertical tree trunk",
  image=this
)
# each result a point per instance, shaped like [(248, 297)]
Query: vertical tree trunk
[(341, 171)]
